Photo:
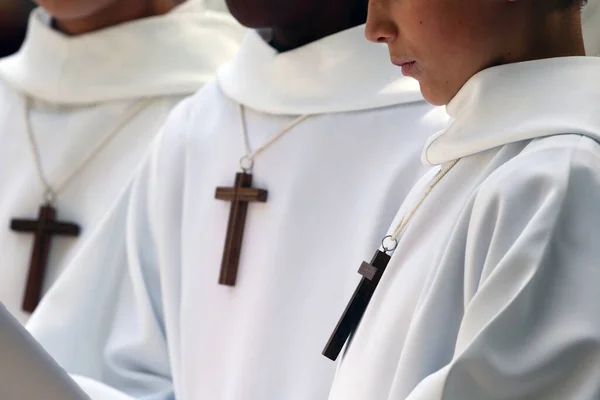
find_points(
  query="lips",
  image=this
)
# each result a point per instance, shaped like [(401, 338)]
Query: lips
[(407, 64)]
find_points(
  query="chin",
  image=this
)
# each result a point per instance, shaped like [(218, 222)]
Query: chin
[(256, 14), (432, 96), (250, 20), (73, 9), (251, 14)]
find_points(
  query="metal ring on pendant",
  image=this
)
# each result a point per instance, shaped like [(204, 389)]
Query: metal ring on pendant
[(392, 245), (50, 196), (246, 164)]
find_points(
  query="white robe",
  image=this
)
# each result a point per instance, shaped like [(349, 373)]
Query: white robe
[(216, 5), (81, 87), (492, 292), (333, 184)]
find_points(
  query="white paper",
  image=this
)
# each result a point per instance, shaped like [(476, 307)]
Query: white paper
[(27, 372)]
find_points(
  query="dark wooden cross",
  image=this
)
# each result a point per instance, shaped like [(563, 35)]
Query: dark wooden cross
[(239, 195), (348, 323), (44, 228)]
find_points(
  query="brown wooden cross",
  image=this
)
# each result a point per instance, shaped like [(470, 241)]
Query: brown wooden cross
[(350, 319), (239, 195), (43, 228)]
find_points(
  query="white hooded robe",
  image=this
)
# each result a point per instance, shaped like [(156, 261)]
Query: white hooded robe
[(492, 292), (80, 87)]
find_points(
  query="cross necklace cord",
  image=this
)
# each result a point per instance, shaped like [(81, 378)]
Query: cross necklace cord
[(371, 275), (46, 225), (240, 195)]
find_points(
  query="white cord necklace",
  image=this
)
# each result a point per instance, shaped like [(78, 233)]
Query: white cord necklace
[(51, 191), (247, 162), (371, 275), (394, 237), (240, 195), (46, 226)]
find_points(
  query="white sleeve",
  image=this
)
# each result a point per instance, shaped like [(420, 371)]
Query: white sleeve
[(531, 325), (112, 326)]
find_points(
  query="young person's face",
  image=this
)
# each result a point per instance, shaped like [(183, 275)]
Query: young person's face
[(441, 43)]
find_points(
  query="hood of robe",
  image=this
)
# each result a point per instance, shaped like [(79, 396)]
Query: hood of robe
[(520, 101), (339, 73), (172, 54), (591, 27)]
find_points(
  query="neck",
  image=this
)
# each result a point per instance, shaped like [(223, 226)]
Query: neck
[(316, 27), (117, 12), (557, 35)]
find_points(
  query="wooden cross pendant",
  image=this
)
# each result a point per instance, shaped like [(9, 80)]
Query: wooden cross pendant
[(348, 323), (44, 228), (239, 195)]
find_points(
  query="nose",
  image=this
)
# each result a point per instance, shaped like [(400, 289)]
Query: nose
[(380, 27)]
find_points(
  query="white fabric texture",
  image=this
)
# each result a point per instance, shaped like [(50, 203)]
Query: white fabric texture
[(492, 291), (81, 86), (166, 55), (333, 183), (216, 5)]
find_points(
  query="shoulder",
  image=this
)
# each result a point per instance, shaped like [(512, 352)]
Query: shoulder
[(4, 87), (548, 180), (190, 122), (193, 115), (549, 192), (11, 107), (547, 165), (545, 200), (198, 110), (8, 94)]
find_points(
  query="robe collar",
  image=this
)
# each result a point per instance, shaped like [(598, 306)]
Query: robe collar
[(173, 54), (520, 101), (340, 73)]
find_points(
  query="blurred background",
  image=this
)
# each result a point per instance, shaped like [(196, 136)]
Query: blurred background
[(13, 22)]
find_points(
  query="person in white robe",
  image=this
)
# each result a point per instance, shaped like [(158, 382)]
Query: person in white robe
[(333, 180), (89, 104), (492, 289)]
